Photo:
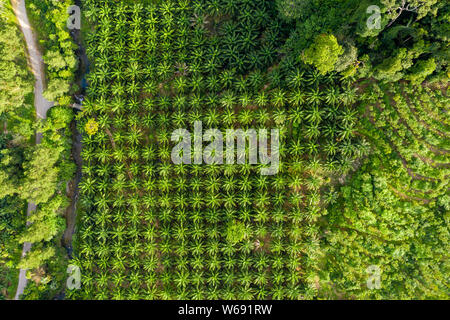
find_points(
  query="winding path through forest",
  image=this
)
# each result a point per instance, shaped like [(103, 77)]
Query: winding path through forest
[(41, 104)]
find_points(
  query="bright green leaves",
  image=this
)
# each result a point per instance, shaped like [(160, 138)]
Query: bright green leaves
[(323, 53), (236, 232)]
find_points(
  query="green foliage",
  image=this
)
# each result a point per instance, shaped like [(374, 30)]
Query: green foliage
[(236, 232), (363, 178), (16, 118), (36, 257), (391, 69), (11, 170), (56, 88), (204, 231), (36, 174), (393, 213), (372, 225), (55, 61), (323, 53), (410, 33), (41, 174), (422, 7), (59, 117), (12, 222), (316, 17), (46, 222), (49, 281), (348, 59)]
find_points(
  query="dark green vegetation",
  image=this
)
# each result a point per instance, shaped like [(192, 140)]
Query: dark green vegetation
[(50, 167), (152, 229), (47, 171), (394, 212), (38, 174), (49, 18), (411, 41), (16, 82)]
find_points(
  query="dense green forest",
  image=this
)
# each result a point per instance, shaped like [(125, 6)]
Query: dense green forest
[(356, 89)]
